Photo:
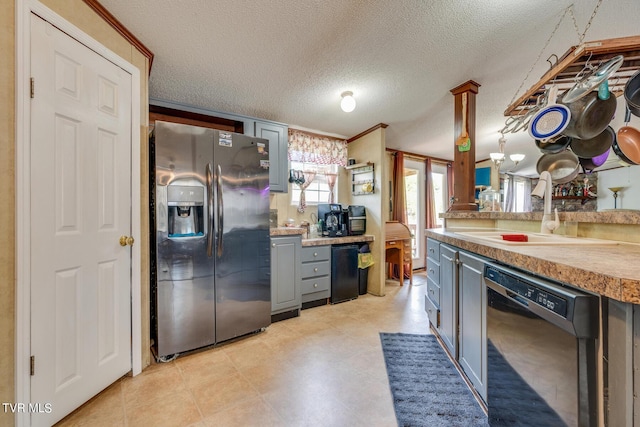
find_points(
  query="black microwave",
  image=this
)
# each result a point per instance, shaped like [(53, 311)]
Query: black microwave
[(357, 220)]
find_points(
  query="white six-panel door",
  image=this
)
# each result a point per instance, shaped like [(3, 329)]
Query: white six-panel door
[(80, 207)]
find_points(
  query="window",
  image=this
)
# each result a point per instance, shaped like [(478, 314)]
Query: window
[(521, 188), (439, 177), (318, 191)]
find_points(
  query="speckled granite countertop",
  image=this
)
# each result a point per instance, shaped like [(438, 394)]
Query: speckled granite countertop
[(608, 270), (619, 216), (320, 241), (286, 231), (337, 240)]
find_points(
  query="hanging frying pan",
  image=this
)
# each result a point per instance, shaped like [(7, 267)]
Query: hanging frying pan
[(632, 93), (554, 145), (627, 145), (589, 148), (563, 167), (550, 120), (594, 162)]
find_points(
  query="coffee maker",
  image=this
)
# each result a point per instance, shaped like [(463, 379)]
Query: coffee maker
[(334, 220)]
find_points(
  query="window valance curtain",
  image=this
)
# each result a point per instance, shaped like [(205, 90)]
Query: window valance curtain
[(312, 148)]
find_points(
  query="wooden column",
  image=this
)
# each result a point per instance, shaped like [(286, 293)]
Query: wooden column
[(464, 162)]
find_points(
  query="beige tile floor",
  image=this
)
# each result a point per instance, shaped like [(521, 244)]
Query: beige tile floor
[(323, 368)]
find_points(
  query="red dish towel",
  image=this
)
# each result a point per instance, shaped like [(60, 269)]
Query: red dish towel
[(515, 237)]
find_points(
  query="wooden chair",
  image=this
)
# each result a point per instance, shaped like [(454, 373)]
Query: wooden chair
[(398, 248)]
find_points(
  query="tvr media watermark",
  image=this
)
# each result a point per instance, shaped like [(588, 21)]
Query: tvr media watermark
[(38, 408)]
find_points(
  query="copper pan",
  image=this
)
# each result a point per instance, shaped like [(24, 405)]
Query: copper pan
[(627, 144)]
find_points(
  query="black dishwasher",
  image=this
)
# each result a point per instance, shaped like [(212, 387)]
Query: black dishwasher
[(541, 351), (344, 273)]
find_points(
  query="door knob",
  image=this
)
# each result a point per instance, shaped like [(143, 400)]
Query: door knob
[(126, 240)]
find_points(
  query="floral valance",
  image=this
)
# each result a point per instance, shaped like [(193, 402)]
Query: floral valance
[(312, 148)]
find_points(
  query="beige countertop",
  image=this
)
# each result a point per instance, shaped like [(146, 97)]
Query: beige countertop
[(286, 231), (319, 241), (608, 270), (619, 216)]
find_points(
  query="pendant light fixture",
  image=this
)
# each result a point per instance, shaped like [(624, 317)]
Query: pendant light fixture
[(499, 157), (348, 103)]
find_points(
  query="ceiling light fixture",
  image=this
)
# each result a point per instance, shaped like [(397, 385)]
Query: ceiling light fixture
[(348, 103), (498, 158), (516, 158)]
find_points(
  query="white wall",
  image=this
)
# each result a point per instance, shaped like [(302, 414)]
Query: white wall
[(628, 177)]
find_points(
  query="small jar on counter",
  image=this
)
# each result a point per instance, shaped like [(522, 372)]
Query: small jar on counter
[(489, 201)]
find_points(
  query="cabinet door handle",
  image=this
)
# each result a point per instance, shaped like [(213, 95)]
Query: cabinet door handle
[(273, 245), (431, 270), (431, 250)]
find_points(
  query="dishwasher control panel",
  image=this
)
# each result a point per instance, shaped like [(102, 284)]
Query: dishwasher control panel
[(529, 291)]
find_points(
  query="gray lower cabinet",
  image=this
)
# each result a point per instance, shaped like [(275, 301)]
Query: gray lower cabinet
[(277, 135), (448, 298), (285, 273), (432, 298), (462, 310), (316, 273), (472, 318)]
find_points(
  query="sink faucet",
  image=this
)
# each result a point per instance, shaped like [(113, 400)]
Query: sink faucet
[(543, 190)]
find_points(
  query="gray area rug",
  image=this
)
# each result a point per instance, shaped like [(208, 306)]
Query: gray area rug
[(426, 387)]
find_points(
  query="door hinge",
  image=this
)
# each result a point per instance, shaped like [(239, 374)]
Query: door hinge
[(33, 91), (32, 363)]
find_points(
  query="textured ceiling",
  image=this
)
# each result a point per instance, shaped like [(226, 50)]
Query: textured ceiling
[(289, 60)]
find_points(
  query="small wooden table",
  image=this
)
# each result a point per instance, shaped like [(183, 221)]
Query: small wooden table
[(398, 248)]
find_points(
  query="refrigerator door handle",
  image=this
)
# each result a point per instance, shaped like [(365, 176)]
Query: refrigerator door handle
[(220, 211), (210, 210)]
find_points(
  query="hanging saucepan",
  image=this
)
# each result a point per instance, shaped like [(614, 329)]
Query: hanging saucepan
[(594, 162), (590, 115), (563, 167), (588, 148), (551, 119), (632, 93), (556, 144), (627, 145)]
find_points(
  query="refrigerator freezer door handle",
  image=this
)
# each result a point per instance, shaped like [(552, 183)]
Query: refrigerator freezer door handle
[(220, 211), (210, 209)]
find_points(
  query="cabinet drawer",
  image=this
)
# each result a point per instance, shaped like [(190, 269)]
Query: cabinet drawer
[(316, 284), (433, 291), (316, 253), (433, 249), (433, 270), (432, 312), (315, 269)]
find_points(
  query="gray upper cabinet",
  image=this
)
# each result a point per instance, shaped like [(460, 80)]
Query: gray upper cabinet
[(472, 299), (277, 135), (448, 298)]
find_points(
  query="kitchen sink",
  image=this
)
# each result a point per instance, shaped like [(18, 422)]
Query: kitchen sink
[(533, 239)]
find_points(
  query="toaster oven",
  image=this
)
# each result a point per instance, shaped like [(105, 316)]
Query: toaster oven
[(357, 220)]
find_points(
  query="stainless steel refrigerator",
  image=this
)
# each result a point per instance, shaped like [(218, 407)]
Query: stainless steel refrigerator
[(211, 267)]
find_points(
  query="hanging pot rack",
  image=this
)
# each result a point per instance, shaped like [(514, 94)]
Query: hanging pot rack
[(563, 73)]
